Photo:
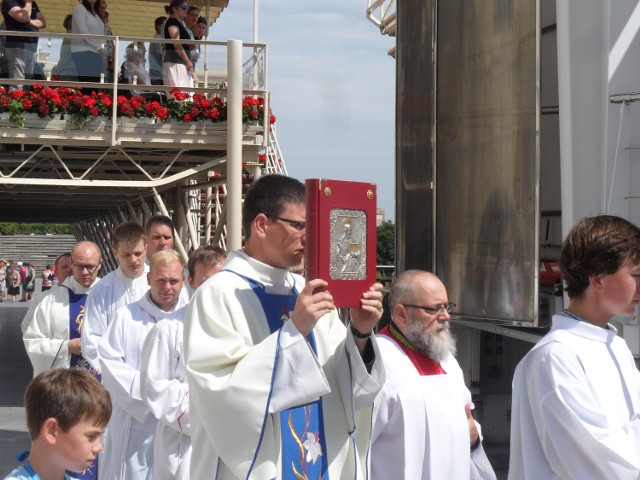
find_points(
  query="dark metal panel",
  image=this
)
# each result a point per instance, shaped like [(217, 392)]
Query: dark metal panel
[(415, 110), (487, 158)]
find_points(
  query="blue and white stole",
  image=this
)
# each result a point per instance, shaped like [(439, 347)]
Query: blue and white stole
[(76, 317), (302, 427)]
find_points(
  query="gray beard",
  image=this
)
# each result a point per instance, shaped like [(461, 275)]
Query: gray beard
[(435, 344)]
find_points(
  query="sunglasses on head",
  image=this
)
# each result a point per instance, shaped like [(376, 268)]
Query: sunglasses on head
[(184, 7)]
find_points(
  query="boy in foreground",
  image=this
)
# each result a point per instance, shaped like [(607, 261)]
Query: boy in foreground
[(67, 411)]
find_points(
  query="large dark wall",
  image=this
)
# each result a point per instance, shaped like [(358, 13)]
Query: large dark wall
[(415, 114)]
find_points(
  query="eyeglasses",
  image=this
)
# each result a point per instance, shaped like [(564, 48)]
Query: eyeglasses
[(89, 268), (439, 310), (297, 224)]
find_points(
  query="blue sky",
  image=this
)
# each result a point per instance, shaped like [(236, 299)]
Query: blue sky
[(332, 87)]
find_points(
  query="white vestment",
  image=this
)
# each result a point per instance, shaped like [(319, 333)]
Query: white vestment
[(576, 407), (164, 388), (128, 447), (47, 337), (236, 395), (28, 317), (114, 292), (420, 427)]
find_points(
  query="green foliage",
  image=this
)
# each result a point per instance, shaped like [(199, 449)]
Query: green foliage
[(386, 254), (35, 228)]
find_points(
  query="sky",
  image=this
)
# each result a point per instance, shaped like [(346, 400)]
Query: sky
[(332, 87)]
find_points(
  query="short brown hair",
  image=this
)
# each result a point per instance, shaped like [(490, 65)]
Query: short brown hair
[(597, 246), (207, 255), (128, 232), (68, 395)]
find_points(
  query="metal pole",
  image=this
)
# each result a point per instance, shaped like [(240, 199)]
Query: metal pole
[(234, 144), (207, 217), (177, 242)]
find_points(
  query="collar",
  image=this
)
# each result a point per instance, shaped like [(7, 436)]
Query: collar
[(584, 329), (395, 332), (128, 280), (274, 280), (75, 287), (156, 312)]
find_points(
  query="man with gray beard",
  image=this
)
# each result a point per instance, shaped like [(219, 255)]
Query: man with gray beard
[(422, 426)]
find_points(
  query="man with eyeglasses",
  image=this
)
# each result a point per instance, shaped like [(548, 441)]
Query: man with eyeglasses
[(422, 425), (53, 336), (278, 387)]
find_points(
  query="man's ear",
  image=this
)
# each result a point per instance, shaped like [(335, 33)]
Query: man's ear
[(259, 224), (49, 430), (400, 316), (595, 281)]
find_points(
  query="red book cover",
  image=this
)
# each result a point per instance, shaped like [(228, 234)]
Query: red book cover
[(340, 237)]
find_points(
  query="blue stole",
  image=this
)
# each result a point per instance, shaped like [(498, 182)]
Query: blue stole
[(76, 317), (304, 450)]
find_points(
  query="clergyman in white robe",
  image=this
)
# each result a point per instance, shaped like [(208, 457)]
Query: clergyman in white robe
[(47, 336)]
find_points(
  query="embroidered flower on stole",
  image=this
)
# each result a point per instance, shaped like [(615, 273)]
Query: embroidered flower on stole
[(313, 447)]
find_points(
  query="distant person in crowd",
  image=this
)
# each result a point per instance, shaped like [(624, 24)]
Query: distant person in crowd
[(575, 411), (89, 54), (29, 282), (203, 263), (109, 45), (129, 443), (23, 279), (125, 285), (63, 267), (47, 278), (278, 385), (422, 422), (156, 54), (3, 280), (65, 69), (67, 411), (53, 337), (177, 68), (13, 277), (199, 30), (133, 69), (20, 52)]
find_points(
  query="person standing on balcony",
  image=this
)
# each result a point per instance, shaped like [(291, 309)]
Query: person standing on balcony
[(156, 54), (89, 54), (65, 69), (109, 45), (20, 52), (177, 68)]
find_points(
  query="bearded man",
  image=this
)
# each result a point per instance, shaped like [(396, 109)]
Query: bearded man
[(423, 427)]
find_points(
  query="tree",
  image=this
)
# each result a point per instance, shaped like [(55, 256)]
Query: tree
[(386, 254)]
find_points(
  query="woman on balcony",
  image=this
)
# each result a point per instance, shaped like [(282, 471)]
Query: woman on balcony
[(89, 54), (177, 68)]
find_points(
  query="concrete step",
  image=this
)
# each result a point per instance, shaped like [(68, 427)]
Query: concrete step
[(41, 250)]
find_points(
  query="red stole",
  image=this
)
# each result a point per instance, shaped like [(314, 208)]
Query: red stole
[(424, 365)]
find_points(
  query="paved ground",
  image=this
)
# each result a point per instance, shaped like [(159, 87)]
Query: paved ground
[(15, 373)]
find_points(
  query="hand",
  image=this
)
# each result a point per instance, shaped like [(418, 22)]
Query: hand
[(473, 429), (365, 318), (189, 65), (310, 306), (74, 346)]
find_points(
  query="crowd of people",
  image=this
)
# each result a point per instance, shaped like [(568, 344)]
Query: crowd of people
[(18, 280), (250, 373), (92, 59)]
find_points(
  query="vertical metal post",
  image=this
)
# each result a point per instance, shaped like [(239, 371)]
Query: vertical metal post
[(234, 144), (177, 244), (207, 217)]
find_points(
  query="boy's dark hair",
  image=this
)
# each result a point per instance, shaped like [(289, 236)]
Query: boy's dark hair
[(68, 395), (597, 246), (207, 255), (67, 22), (128, 232), (269, 195), (159, 219), (159, 21)]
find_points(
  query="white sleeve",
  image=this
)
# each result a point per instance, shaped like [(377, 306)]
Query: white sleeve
[(94, 324), (46, 338), (166, 396), (121, 379)]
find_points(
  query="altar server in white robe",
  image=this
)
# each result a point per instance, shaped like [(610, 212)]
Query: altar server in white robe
[(163, 378), (576, 395), (53, 337), (125, 285), (128, 446), (63, 270), (279, 387), (423, 427)]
